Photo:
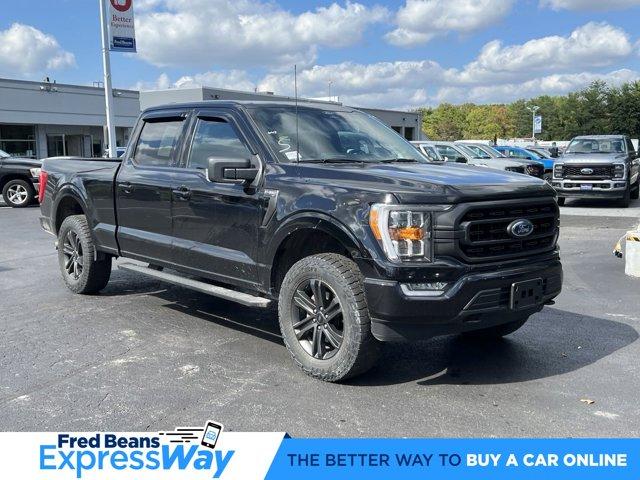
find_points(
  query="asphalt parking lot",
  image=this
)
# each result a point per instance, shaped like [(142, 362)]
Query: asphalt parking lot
[(146, 356)]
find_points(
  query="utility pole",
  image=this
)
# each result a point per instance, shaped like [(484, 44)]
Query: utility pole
[(533, 111), (108, 95)]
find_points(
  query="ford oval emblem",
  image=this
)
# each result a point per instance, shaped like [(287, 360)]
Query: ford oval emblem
[(586, 171), (520, 228)]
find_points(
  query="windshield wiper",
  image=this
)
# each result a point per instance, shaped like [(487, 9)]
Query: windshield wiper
[(399, 160), (332, 160)]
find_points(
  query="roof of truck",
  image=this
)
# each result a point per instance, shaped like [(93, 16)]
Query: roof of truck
[(251, 103), (598, 137)]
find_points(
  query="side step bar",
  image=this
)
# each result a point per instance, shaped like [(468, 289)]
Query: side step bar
[(214, 290)]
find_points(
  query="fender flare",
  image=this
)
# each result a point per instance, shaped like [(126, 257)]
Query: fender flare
[(67, 191), (317, 221)]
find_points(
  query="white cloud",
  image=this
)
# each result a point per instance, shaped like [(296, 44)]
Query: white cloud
[(418, 21), (559, 84), (245, 33), (592, 45), (27, 51), (589, 5), (232, 79)]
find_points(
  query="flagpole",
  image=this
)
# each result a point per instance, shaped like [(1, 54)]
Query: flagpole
[(108, 93)]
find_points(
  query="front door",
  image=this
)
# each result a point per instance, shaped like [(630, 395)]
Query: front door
[(215, 225), (144, 189)]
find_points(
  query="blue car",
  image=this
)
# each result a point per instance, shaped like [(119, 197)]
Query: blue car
[(518, 152)]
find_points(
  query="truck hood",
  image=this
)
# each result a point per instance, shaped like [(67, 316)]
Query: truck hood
[(21, 161), (429, 183), (580, 158)]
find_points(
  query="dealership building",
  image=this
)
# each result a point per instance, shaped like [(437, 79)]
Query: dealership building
[(46, 119)]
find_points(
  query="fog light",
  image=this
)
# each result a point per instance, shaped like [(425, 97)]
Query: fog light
[(433, 289), (620, 185)]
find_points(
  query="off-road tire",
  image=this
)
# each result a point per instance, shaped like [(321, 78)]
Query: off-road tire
[(493, 333), (25, 187), (635, 193), (94, 274), (625, 201), (359, 350), (561, 201)]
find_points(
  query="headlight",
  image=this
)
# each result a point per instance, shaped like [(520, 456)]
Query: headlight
[(557, 171), (404, 232), (35, 172), (618, 170)]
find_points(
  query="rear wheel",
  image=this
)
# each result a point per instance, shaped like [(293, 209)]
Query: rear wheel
[(81, 272), (324, 318), (18, 193), (496, 332)]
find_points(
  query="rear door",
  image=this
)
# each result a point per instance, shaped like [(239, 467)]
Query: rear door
[(144, 187), (216, 225)]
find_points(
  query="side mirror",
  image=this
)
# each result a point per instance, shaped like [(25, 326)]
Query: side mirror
[(224, 170)]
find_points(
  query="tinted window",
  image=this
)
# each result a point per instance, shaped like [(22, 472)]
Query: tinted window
[(448, 152), (215, 138), (157, 143)]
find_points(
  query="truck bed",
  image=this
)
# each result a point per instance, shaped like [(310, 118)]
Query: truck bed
[(90, 181)]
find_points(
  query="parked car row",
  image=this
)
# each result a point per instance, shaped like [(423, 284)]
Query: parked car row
[(482, 155)]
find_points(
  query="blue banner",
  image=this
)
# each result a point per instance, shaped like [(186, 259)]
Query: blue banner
[(451, 459)]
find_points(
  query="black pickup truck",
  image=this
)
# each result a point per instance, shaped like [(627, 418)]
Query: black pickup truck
[(320, 208), (19, 179)]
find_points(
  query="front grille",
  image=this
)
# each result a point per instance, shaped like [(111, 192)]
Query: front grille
[(598, 171), (487, 237)]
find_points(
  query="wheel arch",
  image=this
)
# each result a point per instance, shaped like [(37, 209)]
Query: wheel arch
[(14, 176), (306, 234), (68, 203)]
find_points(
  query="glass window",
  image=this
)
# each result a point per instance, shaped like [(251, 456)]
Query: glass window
[(157, 143), (594, 145), (322, 135), (215, 138), (18, 140), (447, 152)]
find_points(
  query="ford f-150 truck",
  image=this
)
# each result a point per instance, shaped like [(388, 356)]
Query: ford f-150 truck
[(356, 235), (598, 166)]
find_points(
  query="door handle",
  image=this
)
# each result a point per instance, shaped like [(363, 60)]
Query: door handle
[(126, 187), (183, 193)]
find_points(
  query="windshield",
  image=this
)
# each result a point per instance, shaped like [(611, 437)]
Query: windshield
[(594, 145), (471, 152), (477, 151), (329, 135), (4, 154)]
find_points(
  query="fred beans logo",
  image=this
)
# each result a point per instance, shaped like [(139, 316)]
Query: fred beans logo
[(121, 5), (188, 451)]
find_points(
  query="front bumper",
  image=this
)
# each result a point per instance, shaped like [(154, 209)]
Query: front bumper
[(597, 188), (475, 301)]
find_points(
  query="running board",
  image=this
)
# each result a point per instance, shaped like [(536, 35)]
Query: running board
[(214, 290)]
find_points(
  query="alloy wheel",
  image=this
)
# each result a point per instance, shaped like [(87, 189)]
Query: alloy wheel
[(17, 194), (318, 319), (72, 250)]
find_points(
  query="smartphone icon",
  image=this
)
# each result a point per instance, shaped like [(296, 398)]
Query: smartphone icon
[(211, 434)]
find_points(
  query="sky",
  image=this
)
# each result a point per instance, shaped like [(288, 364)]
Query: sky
[(392, 54)]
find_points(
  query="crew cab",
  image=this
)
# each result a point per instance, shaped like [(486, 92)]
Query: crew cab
[(19, 179), (598, 166), (322, 209)]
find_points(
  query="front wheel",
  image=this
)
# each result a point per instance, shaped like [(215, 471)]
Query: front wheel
[(18, 193), (324, 318), (635, 193), (561, 201), (83, 269), (625, 201)]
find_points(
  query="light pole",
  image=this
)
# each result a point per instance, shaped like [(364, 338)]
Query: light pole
[(533, 109), (108, 95)]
